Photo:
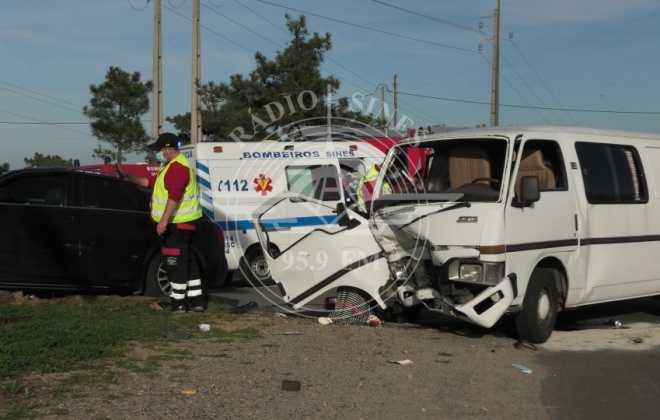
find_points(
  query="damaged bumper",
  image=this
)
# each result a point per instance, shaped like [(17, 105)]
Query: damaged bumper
[(484, 310)]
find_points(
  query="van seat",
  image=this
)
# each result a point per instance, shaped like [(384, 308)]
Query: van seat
[(467, 164), (533, 164)]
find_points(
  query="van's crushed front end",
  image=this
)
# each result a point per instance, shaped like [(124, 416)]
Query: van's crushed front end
[(443, 231)]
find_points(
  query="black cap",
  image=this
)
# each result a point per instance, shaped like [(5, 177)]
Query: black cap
[(165, 140)]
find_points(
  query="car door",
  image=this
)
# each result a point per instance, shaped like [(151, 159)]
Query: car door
[(343, 254), (315, 180), (116, 231), (39, 230)]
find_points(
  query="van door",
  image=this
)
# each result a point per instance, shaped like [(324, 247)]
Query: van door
[(342, 253), (548, 226)]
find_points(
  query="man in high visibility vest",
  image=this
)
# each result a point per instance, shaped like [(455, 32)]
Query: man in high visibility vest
[(365, 190), (176, 210)]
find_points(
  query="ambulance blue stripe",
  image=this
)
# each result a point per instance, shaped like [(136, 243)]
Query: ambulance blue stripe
[(208, 213), (204, 182), (206, 197), (200, 166), (310, 221)]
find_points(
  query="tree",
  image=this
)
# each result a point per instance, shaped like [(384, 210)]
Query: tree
[(293, 79), (4, 167), (115, 110), (40, 160)]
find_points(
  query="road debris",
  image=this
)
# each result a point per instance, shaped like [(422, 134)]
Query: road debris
[(521, 368), (288, 385), (524, 343), (245, 308), (404, 362), (176, 334), (188, 391)]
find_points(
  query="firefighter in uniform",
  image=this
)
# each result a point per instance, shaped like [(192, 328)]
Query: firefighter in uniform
[(176, 209)]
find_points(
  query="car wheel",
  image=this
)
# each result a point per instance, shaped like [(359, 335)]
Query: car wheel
[(536, 321), (157, 283), (258, 270)]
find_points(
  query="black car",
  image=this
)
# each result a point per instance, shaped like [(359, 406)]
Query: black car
[(70, 229)]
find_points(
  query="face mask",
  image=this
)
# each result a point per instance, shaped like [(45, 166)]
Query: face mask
[(161, 157)]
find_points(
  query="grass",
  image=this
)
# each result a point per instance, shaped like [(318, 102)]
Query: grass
[(87, 339)]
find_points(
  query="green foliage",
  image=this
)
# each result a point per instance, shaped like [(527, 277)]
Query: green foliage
[(116, 108), (4, 167), (40, 160), (278, 92)]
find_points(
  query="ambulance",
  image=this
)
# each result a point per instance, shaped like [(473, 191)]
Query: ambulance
[(236, 178)]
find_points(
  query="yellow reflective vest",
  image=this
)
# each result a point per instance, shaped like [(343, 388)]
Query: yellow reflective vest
[(366, 188), (188, 208)]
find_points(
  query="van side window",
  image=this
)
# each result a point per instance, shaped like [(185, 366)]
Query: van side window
[(319, 181), (542, 159), (611, 173)]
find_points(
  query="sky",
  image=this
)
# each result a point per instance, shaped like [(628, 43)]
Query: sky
[(592, 63)]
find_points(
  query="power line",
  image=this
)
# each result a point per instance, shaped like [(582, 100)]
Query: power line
[(445, 22), (369, 29), (42, 122), (533, 107)]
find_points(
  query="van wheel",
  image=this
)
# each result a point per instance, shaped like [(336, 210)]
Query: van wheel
[(157, 283), (536, 321), (258, 269)]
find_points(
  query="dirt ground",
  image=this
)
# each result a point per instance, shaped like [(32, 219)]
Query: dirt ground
[(344, 371)]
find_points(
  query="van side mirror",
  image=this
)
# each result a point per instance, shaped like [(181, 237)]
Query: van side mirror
[(343, 219), (530, 190)]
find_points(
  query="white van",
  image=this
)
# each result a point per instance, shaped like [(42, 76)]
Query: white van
[(234, 179), (521, 220)]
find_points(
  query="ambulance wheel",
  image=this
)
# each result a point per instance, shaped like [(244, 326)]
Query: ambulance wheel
[(536, 321), (157, 283), (258, 269)]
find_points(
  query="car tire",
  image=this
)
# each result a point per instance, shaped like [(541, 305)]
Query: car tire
[(157, 283), (536, 321)]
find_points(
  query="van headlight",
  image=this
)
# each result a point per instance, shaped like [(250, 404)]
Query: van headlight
[(476, 272), (470, 273)]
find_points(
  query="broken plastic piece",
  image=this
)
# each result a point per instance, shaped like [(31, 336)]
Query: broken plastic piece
[(324, 320), (521, 368), (404, 362)]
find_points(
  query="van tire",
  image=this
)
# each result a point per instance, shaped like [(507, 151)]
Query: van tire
[(536, 321), (157, 284), (258, 270)]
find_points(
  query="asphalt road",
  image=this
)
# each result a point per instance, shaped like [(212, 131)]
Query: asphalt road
[(594, 370)]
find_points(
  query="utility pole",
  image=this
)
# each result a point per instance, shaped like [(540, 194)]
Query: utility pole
[(195, 106), (157, 90), (495, 82), (396, 101)]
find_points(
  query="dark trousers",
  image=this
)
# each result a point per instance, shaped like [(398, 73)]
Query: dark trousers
[(181, 265)]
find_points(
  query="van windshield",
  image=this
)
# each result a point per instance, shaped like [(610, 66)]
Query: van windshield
[(464, 170)]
